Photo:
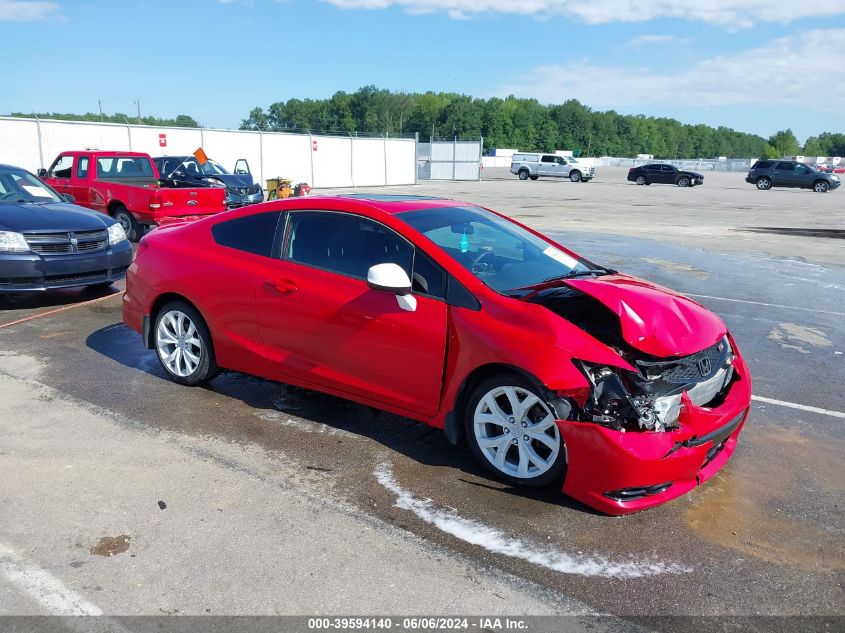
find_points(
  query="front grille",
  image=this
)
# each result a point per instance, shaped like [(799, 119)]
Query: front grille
[(694, 368), (67, 243), (65, 279)]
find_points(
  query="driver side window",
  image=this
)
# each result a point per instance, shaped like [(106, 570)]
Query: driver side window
[(62, 167)]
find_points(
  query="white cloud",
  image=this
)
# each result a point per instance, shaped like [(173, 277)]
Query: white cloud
[(786, 71), (21, 11), (730, 13), (644, 40)]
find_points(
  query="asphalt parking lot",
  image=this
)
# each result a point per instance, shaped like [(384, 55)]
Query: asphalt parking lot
[(127, 494)]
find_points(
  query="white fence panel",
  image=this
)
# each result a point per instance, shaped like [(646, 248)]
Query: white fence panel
[(287, 156), (337, 161), (19, 144), (368, 168), (332, 161), (401, 161), (226, 147)]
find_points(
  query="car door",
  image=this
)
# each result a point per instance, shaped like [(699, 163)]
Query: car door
[(804, 176), (668, 174), (783, 174), (79, 182), (321, 323), (546, 167), (60, 172)]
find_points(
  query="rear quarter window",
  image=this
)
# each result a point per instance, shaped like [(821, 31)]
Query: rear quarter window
[(251, 234), (762, 164)]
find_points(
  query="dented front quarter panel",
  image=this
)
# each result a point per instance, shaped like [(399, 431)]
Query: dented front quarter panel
[(601, 459)]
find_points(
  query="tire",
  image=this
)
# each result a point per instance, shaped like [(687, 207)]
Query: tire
[(575, 175), (821, 186), (534, 177), (641, 180), (763, 183), (130, 225), (683, 181), (182, 324), (523, 174), (489, 432)]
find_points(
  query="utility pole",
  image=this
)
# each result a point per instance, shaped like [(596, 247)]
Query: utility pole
[(138, 103), (100, 105)]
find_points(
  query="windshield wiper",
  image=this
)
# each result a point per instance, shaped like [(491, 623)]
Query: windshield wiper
[(572, 274)]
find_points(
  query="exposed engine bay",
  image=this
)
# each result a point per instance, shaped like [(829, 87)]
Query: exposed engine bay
[(650, 398)]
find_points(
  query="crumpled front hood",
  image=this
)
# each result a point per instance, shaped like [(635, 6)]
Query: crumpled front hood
[(654, 319)]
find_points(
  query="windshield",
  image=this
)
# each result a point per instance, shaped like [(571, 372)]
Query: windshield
[(190, 166), (18, 185), (500, 253)]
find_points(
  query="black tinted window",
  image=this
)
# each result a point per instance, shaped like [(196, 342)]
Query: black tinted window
[(785, 166), (668, 168), (253, 233), (345, 244), (762, 164), (652, 167), (428, 278), (547, 159)]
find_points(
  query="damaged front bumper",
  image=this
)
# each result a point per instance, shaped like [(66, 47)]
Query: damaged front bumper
[(619, 472)]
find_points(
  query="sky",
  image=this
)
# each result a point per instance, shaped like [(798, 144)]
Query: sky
[(754, 65)]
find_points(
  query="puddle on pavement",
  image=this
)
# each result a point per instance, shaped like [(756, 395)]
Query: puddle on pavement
[(111, 545), (794, 336), (675, 267), (762, 506)]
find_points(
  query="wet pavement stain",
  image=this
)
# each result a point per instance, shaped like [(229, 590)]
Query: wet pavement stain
[(111, 545), (762, 505), (675, 267), (794, 336)]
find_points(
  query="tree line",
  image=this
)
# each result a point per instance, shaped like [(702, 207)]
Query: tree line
[(181, 120), (523, 124)]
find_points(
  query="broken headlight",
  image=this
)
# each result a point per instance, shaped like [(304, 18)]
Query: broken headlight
[(611, 403)]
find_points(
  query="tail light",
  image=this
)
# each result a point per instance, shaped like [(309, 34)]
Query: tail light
[(155, 201)]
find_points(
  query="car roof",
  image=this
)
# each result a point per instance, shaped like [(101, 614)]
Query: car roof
[(398, 203)]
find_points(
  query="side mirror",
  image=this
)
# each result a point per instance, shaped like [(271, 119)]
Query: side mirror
[(42, 173), (393, 279), (68, 198)]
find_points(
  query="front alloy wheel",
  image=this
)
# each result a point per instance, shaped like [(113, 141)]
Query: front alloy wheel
[(683, 181), (821, 186), (575, 176), (183, 344), (513, 434)]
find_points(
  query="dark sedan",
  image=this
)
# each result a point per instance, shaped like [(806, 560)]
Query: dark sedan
[(186, 171), (46, 242), (666, 174)]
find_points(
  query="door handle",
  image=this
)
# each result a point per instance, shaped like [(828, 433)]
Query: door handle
[(282, 286)]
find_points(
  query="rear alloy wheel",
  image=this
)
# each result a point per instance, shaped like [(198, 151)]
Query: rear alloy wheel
[(513, 433), (523, 174), (183, 344), (641, 180), (130, 225), (683, 181), (764, 183), (575, 176), (821, 186)]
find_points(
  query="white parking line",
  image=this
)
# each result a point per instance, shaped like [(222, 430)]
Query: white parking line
[(769, 305), (43, 586), (800, 407), (496, 541)]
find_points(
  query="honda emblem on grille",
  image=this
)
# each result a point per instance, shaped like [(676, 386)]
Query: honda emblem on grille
[(704, 366)]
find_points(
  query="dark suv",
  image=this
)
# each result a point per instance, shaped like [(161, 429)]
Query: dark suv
[(790, 173)]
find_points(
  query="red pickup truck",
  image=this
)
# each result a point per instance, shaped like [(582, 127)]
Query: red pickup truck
[(126, 186)]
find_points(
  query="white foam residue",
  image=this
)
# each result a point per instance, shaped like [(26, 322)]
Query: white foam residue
[(496, 541)]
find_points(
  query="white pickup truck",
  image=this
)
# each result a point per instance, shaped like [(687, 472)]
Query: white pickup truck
[(531, 165)]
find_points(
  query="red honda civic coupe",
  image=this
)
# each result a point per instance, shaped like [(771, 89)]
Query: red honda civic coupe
[(554, 369)]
